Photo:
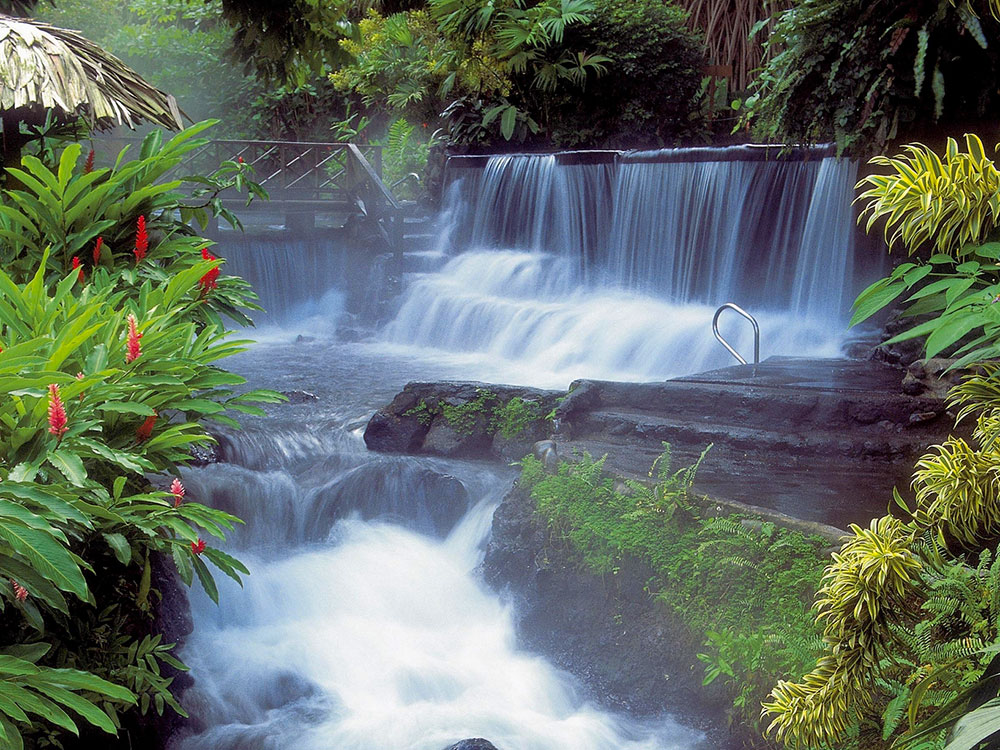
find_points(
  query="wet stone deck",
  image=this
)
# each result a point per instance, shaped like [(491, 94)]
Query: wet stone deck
[(823, 440)]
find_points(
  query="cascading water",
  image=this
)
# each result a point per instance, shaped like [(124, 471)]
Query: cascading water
[(363, 625), (614, 269)]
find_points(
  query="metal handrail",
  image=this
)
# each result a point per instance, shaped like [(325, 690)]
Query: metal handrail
[(756, 332)]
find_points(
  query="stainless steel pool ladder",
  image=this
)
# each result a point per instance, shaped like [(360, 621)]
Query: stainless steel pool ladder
[(756, 332)]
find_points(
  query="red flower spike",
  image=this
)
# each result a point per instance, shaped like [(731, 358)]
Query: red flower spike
[(97, 250), (76, 267), (177, 490), (141, 239), (132, 341), (210, 280), (146, 428), (239, 160), (88, 166), (198, 547), (57, 413), (20, 593)]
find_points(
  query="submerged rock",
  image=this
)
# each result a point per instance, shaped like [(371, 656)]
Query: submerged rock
[(299, 397), (476, 743)]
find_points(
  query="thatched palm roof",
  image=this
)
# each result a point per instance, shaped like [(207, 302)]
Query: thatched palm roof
[(43, 67)]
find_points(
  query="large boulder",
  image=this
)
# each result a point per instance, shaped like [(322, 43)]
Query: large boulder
[(467, 420)]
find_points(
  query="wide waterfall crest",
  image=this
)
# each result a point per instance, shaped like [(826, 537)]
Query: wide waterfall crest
[(613, 269)]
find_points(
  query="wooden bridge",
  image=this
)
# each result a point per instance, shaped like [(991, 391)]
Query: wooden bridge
[(302, 178)]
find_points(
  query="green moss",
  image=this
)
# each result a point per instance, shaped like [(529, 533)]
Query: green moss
[(509, 419), (743, 585), (464, 418)]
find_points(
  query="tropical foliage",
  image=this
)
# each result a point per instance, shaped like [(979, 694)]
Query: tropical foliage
[(926, 665), (646, 95), (862, 73), (108, 366)]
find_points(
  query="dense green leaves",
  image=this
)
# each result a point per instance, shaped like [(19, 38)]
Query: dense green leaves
[(90, 410), (856, 73)]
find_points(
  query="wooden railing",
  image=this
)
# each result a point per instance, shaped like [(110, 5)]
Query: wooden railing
[(314, 175)]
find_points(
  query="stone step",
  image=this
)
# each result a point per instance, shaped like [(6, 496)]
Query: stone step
[(827, 395), (882, 440), (828, 489)]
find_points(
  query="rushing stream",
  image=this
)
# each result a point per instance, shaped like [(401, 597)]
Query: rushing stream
[(364, 624)]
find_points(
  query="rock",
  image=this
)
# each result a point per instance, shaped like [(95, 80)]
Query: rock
[(459, 420), (476, 743), (299, 397), (931, 378), (349, 335), (443, 439), (547, 452), (203, 455), (301, 339), (399, 427)]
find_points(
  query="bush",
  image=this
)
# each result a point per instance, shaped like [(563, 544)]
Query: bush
[(861, 73), (106, 370), (648, 91)]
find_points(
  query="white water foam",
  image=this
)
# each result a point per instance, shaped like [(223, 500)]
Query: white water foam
[(526, 318), (385, 639)]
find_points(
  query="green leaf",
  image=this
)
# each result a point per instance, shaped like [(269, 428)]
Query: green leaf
[(69, 465), (876, 300), (127, 407), (47, 556), (121, 547), (205, 576), (976, 726), (949, 331), (507, 122)]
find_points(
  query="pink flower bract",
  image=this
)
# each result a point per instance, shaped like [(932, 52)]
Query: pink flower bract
[(57, 413), (132, 345), (141, 239), (198, 547), (144, 430), (97, 250), (76, 267), (177, 490), (209, 280), (20, 593)]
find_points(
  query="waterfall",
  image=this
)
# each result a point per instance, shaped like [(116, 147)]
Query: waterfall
[(611, 265), (363, 624)]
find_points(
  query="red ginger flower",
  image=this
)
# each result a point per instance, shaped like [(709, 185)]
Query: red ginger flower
[(144, 430), (57, 413), (88, 166), (177, 490), (20, 593), (141, 239), (132, 341), (97, 250), (210, 279), (198, 547), (76, 267)]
